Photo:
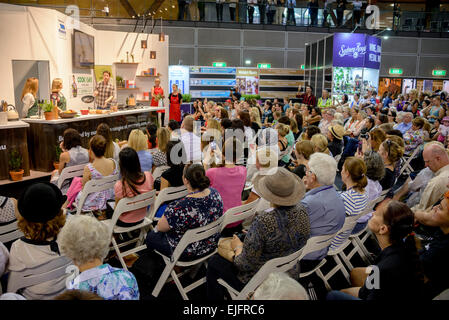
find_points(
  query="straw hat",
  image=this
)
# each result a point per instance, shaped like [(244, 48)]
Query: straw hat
[(337, 131), (282, 187)]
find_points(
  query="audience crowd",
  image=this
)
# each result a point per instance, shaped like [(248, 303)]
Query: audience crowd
[(311, 165)]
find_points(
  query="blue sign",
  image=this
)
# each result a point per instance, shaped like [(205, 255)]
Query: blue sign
[(210, 94), (214, 82), (212, 70), (179, 75)]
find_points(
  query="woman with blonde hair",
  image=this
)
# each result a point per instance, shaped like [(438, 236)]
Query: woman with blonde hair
[(163, 137), (28, 97), (320, 143), (112, 148), (138, 141), (255, 116), (282, 130), (56, 95)]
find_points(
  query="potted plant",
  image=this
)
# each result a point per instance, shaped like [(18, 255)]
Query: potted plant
[(119, 81), (58, 154), (15, 165), (48, 111), (186, 97)]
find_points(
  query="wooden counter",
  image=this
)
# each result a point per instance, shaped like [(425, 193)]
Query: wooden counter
[(13, 136), (45, 135)]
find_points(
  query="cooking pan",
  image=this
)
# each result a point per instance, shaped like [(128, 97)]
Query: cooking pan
[(88, 99)]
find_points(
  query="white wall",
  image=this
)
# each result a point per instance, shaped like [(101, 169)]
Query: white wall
[(30, 33)]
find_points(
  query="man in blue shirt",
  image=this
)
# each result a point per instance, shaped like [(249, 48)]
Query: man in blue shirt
[(286, 105), (323, 204), (387, 100), (406, 123)]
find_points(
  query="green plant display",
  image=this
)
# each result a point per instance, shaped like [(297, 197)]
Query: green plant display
[(47, 107), (248, 97), (15, 160), (58, 152), (186, 97)]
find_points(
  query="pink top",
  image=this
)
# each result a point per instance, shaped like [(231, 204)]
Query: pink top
[(229, 182), (136, 215)]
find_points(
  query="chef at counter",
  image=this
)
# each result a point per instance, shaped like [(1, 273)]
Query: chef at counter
[(104, 92), (29, 100)]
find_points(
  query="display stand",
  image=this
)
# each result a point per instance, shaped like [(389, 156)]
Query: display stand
[(343, 63)]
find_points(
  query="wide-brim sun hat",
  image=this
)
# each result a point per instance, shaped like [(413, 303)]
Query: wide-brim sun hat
[(337, 131), (281, 187)]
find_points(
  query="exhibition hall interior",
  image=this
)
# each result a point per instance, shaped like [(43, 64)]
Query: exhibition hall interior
[(221, 150)]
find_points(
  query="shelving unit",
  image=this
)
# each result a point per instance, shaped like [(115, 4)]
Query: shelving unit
[(154, 76), (126, 62)]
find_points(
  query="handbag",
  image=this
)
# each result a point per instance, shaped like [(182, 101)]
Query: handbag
[(225, 249)]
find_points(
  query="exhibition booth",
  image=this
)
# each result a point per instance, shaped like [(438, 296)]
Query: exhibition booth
[(344, 63), (47, 45), (214, 83)]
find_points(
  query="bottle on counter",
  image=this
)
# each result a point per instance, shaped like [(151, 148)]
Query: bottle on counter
[(74, 87)]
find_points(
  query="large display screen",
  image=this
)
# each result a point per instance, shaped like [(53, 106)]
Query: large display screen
[(83, 55)]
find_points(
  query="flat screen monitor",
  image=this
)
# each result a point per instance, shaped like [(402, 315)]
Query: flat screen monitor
[(83, 50)]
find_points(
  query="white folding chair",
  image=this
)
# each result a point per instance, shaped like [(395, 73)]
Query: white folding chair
[(406, 165), (240, 213), (125, 205), (337, 252), (10, 232), (69, 173), (95, 185), (52, 270), (167, 194), (358, 241), (191, 236), (159, 171), (281, 264)]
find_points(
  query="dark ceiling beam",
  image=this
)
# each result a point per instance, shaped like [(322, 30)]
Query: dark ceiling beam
[(129, 8)]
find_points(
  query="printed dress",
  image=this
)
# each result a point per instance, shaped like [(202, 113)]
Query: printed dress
[(189, 213), (107, 282), (97, 200)]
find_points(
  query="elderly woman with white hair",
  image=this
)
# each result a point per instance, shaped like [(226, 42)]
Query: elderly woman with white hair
[(280, 286), (85, 240), (324, 205)]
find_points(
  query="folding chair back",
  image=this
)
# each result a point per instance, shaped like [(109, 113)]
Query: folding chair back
[(239, 213), (33, 276), (168, 194), (159, 171), (195, 235), (318, 243), (406, 162), (95, 185), (281, 264), (189, 237), (70, 172), (140, 201), (10, 232)]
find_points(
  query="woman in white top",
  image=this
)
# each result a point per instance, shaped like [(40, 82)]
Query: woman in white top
[(352, 123), (356, 101), (29, 93)]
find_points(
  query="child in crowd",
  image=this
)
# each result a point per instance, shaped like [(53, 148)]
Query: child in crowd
[(443, 130)]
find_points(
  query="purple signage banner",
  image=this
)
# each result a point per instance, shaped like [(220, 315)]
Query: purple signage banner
[(356, 50), (373, 52)]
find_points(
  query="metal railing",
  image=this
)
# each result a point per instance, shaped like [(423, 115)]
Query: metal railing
[(261, 13)]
